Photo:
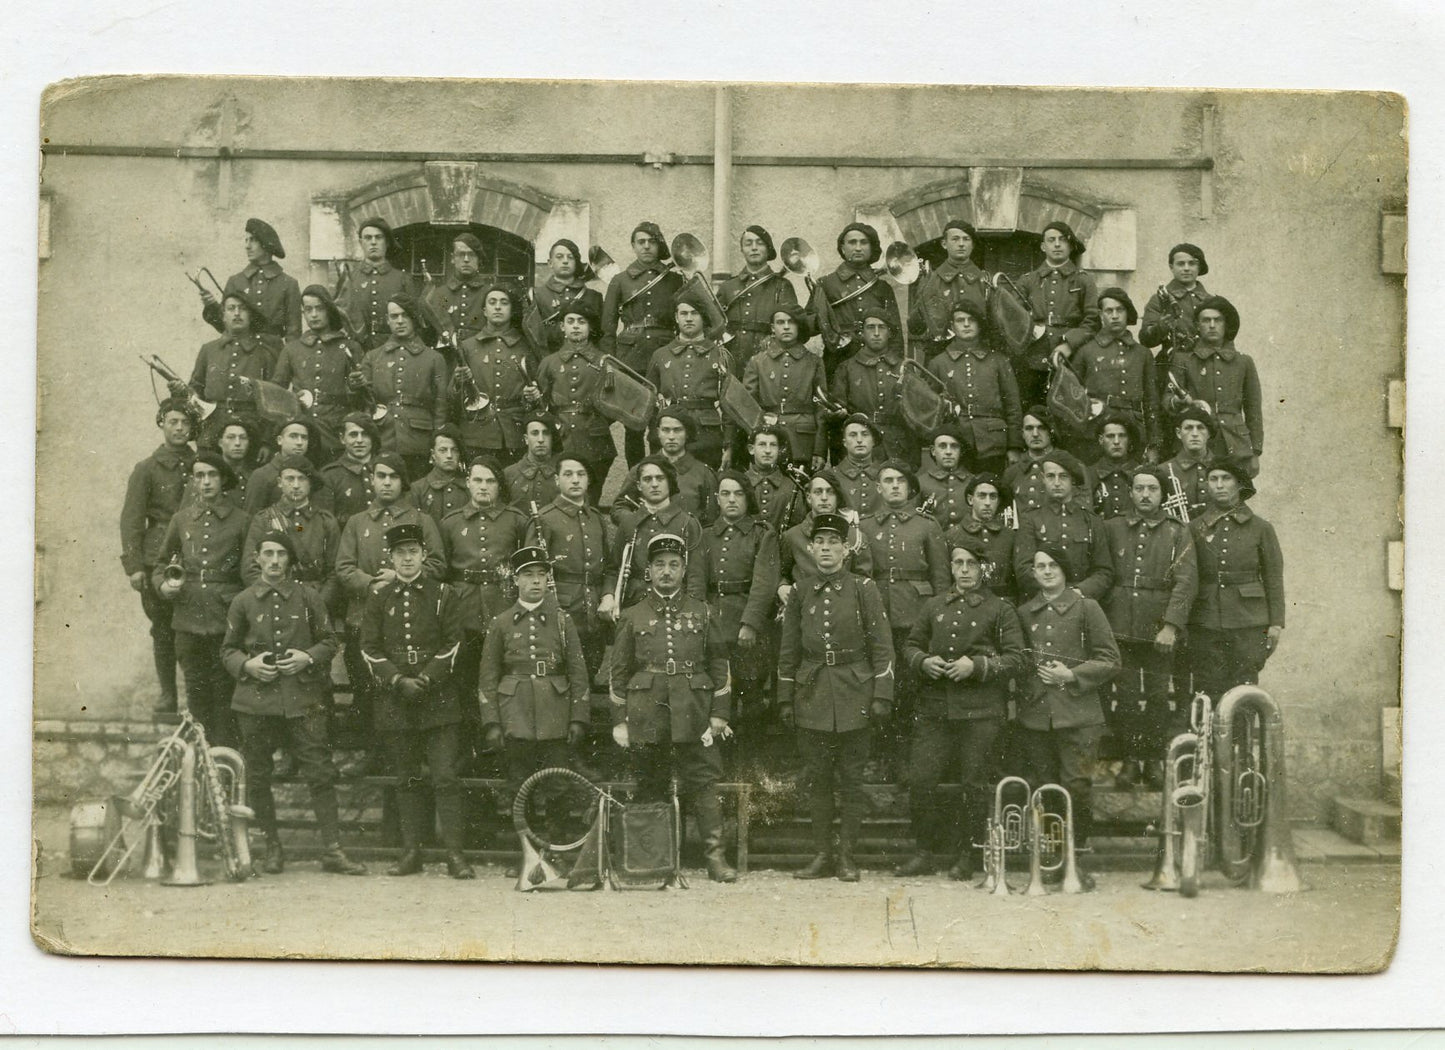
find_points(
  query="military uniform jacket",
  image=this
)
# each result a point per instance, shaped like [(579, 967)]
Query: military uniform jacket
[(1155, 576), (839, 302), (869, 383), (798, 565), (369, 287), (456, 306), (262, 488), (860, 485), (992, 542), (1171, 314), (1229, 382), (1066, 303), (266, 618), (750, 300), (1120, 373), (363, 552), (583, 546), (979, 625), (1241, 571), (671, 518), (983, 384), (208, 537), (496, 360), (945, 487), (438, 494), (1074, 631), (1026, 479), (741, 558), (570, 380), (669, 670), (531, 481), (1193, 478), (687, 376), (639, 300), (774, 492), (910, 562), (411, 379), (932, 314), (1115, 482), (533, 679), (478, 544), (152, 496), (272, 294), (320, 363), (1078, 531), (314, 533), (410, 629), (836, 654), (551, 300), (348, 485), (224, 365), (782, 382)]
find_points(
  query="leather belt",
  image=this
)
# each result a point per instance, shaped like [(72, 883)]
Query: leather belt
[(1115, 401), (407, 401), (1138, 582), (759, 327), (837, 657), (894, 575), (584, 578), (478, 575), (693, 402), (1229, 578), (532, 668), (674, 667), (418, 656), (212, 576), (731, 586)]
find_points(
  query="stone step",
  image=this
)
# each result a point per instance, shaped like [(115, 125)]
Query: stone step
[(1369, 822)]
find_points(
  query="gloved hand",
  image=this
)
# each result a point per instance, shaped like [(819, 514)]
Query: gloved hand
[(881, 710), (576, 733), (409, 688), (785, 716), (492, 736), (619, 734), (355, 380)]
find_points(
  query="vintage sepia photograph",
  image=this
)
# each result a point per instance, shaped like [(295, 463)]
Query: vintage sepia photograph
[(668, 523)]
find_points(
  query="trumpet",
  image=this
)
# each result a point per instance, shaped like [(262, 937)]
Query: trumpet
[(1176, 504), (1051, 835), (200, 409), (1007, 832)]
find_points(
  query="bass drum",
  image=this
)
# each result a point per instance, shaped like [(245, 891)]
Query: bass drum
[(93, 826)]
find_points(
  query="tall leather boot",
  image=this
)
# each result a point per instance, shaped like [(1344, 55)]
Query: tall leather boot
[(847, 842), (821, 866), (708, 813)]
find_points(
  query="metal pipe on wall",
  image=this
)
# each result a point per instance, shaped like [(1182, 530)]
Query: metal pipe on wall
[(722, 179)]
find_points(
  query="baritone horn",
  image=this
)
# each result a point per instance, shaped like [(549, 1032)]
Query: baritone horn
[(1051, 841), (1006, 831), (1255, 845), (1184, 820)]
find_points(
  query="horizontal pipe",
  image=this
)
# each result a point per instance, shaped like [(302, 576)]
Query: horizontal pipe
[(52, 149)]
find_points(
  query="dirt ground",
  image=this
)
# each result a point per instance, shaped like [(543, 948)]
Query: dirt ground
[(1346, 922)]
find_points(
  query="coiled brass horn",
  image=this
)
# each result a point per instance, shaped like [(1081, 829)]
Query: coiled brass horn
[(1007, 831), (1051, 836), (1184, 818)]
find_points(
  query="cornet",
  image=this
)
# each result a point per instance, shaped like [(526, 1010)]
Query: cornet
[(1176, 504), (174, 571)]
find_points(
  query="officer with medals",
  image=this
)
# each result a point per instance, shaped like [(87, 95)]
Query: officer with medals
[(671, 694)]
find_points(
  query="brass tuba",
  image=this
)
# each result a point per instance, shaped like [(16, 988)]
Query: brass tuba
[(1255, 845)]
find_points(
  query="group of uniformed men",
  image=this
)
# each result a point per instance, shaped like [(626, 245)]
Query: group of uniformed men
[(437, 502)]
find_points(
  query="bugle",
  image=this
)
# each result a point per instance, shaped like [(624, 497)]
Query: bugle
[(830, 405), (1051, 841), (1176, 503), (200, 409), (1255, 846), (476, 405), (1006, 832), (195, 279)]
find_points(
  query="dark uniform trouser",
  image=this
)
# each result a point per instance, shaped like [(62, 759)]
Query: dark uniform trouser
[(163, 639), (1066, 757), (521, 759), (305, 737), (935, 741), (208, 686), (1139, 717), (467, 676), (1223, 659), (439, 746), (834, 760), (698, 770)]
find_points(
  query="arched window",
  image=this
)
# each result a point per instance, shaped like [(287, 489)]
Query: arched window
[(427, 247)]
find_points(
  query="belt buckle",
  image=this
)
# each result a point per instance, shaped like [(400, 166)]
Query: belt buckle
[(411, 657), (670, 668), (893, 575), (830, 658), (541, 668)]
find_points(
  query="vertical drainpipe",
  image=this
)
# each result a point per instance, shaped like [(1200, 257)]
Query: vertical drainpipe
[(722, 180)]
